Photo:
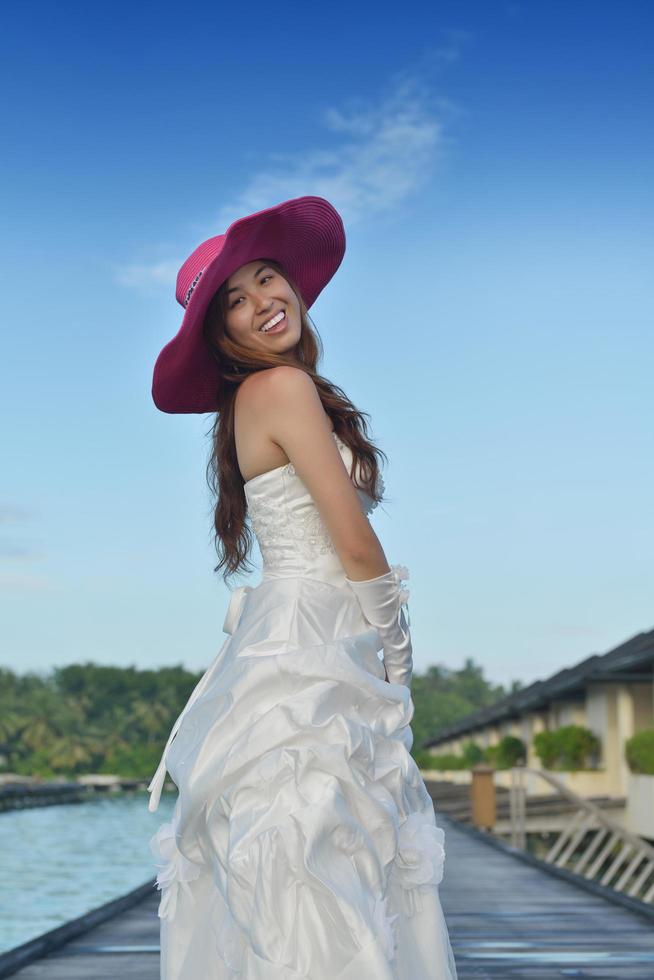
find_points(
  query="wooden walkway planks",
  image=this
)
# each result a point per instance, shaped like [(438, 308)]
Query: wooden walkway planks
[(90, 956), (507, 920)]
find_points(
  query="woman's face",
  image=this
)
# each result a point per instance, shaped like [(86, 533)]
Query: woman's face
[(256, 295)]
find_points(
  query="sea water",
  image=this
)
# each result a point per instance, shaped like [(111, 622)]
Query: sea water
[(60, 861)]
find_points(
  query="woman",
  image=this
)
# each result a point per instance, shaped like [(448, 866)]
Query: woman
[(303, 844)]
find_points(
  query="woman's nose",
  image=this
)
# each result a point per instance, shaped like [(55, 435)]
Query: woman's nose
[(264, 304)]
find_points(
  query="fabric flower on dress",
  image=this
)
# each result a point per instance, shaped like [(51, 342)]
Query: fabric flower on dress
[(401, 572), (175, 869), (420, 858), (368, 502)]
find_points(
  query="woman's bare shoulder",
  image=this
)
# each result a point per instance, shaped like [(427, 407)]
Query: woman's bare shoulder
[(278, 378), (256, 404), (263, 390)]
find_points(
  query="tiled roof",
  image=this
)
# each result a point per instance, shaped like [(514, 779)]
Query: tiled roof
[(628, 661)]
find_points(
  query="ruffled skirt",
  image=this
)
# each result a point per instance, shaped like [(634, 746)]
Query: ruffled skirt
[(303, 843)]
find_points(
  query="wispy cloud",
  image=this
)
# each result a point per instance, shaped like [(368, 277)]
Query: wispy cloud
[(15, 553), (374, 156), (446, 53), (12, 514), (569, 630), (25, 583), (138, 274)]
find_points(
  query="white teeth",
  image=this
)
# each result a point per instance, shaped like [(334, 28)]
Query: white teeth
[(272, 323)]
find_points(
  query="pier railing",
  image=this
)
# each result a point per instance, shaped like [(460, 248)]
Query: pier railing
[(590, 844)]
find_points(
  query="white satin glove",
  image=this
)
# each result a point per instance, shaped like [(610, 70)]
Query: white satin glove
[(383, 601)]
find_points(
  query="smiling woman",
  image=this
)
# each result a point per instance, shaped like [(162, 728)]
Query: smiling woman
[(249, 360), (303, 842), (262, 302)]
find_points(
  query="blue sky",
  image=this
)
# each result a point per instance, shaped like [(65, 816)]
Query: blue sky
[(493, 165)]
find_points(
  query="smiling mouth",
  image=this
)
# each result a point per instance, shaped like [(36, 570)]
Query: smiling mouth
[(278, 323)]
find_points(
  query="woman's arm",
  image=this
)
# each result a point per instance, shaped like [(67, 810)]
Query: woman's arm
[(289, 407)]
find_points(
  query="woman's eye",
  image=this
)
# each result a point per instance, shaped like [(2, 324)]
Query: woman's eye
[(263, 280)]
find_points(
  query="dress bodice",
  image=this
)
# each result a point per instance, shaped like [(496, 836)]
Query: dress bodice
[(291, 534)]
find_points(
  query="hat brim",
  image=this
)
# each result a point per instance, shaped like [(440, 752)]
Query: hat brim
[(305, 235)]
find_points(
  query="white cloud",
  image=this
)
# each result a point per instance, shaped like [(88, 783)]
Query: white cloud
[(13, 514), (378, 155), (139, 274), (374, 156), (17, 552), (26, 583), (569, 630)]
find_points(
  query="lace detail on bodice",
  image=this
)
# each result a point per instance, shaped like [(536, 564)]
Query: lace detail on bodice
[(274, 530), (284, 517)]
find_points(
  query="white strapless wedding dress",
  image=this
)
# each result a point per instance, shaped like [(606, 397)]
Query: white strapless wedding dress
[(303, 843)]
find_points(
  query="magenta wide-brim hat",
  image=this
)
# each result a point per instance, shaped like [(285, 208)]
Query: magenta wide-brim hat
[(305, 235)]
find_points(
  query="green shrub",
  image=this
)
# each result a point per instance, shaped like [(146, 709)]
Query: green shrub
[(472, 753), (567, 748), (511, 751), (639, 752), (423, 759), (426, 760), (450, 761), (546, 749)]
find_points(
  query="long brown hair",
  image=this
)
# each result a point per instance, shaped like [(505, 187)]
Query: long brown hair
[(232, 535)]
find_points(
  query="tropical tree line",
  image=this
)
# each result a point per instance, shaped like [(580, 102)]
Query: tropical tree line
[(90, 718)]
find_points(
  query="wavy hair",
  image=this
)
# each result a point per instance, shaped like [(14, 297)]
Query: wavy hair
[(232, 533)]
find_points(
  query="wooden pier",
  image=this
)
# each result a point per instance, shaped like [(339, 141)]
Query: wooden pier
[(507, 919), (23, 793)]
